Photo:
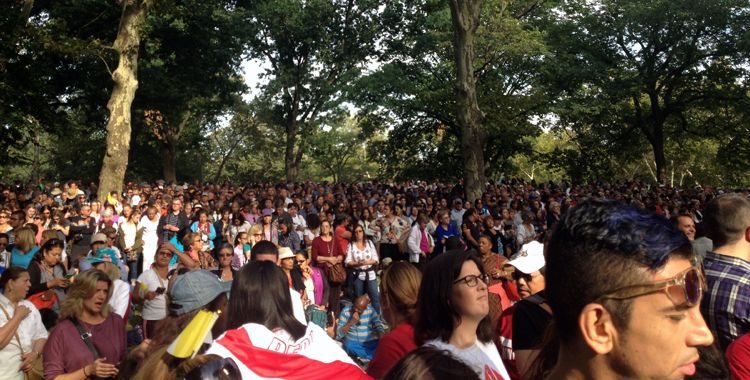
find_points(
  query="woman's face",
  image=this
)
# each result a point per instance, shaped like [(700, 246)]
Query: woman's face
[(325, 227), (96, 302), (225, 257), (163, 258), (126, 211), (30, 212), (359, 234), (301, 261), (288, 263), (284, 228), (203, 218), (197, 243), (18, 288), (470, 301), (52, 256), (485, 247)]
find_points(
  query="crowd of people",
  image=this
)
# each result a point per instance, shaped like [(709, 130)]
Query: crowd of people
[(374, 280)]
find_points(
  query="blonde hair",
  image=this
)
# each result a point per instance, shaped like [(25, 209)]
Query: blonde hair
[(255, 229), (25, 238), (111, 270), (399, 289), (82, 289)]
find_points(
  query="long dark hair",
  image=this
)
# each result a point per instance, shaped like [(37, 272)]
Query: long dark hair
[(260, 294), (436, 317)]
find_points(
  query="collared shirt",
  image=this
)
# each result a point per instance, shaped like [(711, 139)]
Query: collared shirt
[(726, 302), (30, 330)]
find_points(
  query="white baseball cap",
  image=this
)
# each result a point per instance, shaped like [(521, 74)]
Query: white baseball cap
[(530, 258)]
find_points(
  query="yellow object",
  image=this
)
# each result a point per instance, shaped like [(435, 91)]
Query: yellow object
[(186, 344), (111, 200)]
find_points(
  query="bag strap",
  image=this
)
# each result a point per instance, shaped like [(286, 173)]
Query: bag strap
[(15, 333), (85, 336)]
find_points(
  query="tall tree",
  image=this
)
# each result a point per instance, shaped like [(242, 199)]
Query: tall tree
[(125, 78), (623, 67), (314, 49), (413, 96), (465, 15)]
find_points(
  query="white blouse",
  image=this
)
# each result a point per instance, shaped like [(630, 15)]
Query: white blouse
[(30, 330)]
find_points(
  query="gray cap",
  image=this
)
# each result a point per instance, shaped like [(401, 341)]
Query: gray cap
[(196, 289)]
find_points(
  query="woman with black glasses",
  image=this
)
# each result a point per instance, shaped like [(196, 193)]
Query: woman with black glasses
[(453, 312)]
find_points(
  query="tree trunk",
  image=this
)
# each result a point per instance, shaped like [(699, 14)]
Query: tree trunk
[(291, 165), (465, 15), (125, 79), (660, 160), (169, 160)]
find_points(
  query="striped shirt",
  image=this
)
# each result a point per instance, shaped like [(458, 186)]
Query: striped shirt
[(369, 327), (726, 302)]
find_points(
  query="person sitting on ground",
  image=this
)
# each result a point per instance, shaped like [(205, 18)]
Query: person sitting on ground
[(280, 347), (360, 328)]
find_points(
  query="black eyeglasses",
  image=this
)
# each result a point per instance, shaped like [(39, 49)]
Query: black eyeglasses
[(684, 289), (473, 280), (226, 255)]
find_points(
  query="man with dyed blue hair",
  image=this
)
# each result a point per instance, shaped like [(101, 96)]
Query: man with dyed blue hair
[(624, 291)]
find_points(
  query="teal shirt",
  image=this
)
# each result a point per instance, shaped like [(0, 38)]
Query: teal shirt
[(19, 259)]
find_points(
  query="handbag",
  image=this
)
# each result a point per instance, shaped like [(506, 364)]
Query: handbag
[(37, 368), (336, 273), (43, 300), (316, 316)]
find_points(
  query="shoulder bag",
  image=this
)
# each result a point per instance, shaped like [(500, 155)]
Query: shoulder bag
[(37, 369)]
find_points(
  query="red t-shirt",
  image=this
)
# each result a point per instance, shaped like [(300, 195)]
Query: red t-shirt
[(392, 347), (341, 242), (738, 356)]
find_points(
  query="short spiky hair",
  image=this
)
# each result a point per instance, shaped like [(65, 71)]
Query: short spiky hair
[(599, 246)]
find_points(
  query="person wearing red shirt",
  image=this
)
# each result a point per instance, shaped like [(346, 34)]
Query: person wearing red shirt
[(399, 288)]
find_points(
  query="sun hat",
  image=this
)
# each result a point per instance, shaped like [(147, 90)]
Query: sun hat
[(196, 289)]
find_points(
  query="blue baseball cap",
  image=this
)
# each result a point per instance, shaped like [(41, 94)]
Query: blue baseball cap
[(103, 255), (196, 289)]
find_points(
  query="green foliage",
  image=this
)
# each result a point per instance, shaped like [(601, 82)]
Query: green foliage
[(659, 69), (411, 94)]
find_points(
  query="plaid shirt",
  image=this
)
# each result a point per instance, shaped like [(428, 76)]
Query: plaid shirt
[(726, 302)]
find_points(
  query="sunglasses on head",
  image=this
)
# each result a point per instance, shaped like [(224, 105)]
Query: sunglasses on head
[(684, 290)]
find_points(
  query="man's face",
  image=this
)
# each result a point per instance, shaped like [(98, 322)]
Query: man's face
[(662, 339), (176, 205), (686, 225)]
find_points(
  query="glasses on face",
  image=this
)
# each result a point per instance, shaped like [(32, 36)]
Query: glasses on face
[(473, 280), (3, 216), (165, 254), (684, 289), (225, 255)]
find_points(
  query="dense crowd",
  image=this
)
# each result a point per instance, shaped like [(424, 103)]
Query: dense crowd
[(373, 280)]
